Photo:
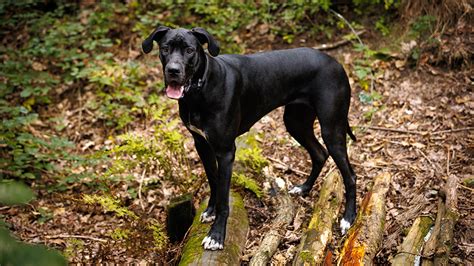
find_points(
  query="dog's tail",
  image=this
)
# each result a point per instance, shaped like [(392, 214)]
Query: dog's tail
[(349, 132)]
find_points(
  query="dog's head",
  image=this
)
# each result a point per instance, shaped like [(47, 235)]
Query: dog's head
[(181, 55)]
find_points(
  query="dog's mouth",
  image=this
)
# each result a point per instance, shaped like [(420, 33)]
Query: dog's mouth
[(175, 90)]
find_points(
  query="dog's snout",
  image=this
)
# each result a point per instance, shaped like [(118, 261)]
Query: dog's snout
[(173, 69)]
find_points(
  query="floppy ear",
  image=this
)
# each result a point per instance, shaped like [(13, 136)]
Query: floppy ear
[(205, 37), (159, 32)]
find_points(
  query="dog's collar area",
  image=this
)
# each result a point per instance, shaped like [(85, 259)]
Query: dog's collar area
[(200, 82)]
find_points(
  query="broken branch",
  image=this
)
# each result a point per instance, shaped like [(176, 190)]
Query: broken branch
[(365, 236)]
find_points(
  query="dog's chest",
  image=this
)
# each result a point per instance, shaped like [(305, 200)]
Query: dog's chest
[(195, 124)]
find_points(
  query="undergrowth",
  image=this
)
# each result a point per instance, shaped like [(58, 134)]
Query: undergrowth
[(55, 50)]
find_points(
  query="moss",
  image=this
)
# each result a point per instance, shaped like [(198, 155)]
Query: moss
[(306, 256), (193, 250)]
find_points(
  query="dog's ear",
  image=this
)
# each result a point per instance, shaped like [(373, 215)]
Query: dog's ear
[(205, 37), (159, 32)]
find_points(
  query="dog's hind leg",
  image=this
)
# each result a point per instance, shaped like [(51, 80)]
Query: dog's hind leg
[(299, 121), (333, 121), (208, 159)]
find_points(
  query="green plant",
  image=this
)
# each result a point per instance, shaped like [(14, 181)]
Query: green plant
[(12, 251), (246, 182), (160, 239), (109, 204), (422, 27), (120, 234)]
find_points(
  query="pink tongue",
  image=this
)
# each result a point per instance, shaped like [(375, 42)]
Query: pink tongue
[(174, 92)]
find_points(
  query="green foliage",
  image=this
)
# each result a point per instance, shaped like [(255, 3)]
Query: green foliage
[(160, 239), (163, 151), (369, 98), (44, 215), (120, 234), (12, 192), (249, 163), (73, 246), (13, 252), (246, 182), (109, 204), (422, 27)]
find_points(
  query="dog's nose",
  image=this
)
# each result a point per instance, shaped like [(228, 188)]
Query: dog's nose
[(173, 69)]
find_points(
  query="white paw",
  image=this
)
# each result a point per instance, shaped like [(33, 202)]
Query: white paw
[(211, 244), (345, 225), (296, 191), (205, 218)]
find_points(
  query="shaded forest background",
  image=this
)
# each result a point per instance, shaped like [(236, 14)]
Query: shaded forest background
[(91, 151)]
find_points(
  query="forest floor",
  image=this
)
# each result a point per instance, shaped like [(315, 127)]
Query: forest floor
[(419, 130)]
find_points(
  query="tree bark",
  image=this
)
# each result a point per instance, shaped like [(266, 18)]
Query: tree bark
[(236, 236), (319, 231), (413, 243), (285, 215), (365, 236), (438, 247)]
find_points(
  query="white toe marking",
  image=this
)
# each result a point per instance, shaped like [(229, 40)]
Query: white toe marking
[(211, 244), (205, 241), (296, 190), (205, 218), (345, 225)]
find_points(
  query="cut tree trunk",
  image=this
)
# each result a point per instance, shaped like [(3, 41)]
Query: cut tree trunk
[(413, 243), (319, 231), (438, 247), (364, 238), (285, 215), (180, 216), (236, 235)]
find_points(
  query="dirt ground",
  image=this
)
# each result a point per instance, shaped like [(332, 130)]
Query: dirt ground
[(421, 133)]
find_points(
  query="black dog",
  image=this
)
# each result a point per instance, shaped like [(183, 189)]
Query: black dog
[(221, 97)]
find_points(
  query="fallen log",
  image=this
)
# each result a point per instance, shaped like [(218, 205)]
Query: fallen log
[(237, 228), (365, 236), (438, 247), (285, 215), (412, 245), (319, 231)]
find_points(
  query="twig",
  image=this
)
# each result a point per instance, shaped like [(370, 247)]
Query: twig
[(348, 24), (372, 75), (140, 189), (287, 166), (5, 208), (77, 236), (395, 130), (454, 130), (447, 163), (466, 187), (329, 46), (414, 132)]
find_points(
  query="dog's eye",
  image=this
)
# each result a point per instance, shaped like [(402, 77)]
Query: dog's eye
[(164, 49), (189, 50)]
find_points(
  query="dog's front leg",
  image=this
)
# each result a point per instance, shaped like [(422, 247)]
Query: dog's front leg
[(216, 236), (208, 159)]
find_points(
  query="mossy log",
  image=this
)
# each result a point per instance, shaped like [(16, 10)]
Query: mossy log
[(236, 235), (319, 231), (364, 238), (269, 244), (438, 247), (413, 243)]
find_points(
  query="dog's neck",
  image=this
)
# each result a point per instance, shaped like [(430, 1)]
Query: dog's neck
[(199, 79)]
